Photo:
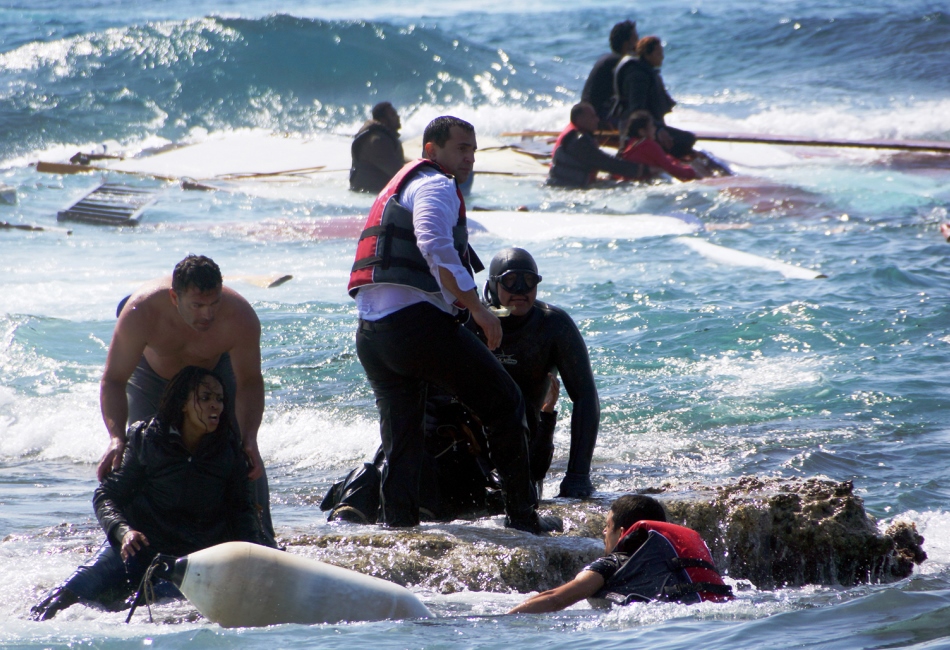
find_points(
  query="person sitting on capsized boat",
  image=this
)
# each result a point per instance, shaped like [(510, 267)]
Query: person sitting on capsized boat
[(641, 147), (639, 86), (576, 157), (646, 559), (538, 341), (599, 88), (376, 150), (182, 486)]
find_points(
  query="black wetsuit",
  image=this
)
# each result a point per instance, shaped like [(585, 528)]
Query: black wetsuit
[(599, 89), (546, 340), (456, 482), (578, 159)]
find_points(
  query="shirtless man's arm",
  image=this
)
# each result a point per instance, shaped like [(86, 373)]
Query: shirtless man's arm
[(128, 343), (249, 399)]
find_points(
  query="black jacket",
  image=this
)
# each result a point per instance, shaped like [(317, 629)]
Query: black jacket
[(578, 157), (640, 87), (377, 155), (599, 89), (181, 502)]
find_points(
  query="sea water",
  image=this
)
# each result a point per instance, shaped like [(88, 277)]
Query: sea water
[(706, 370)]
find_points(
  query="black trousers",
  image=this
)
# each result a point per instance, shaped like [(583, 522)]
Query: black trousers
[(421, 345)]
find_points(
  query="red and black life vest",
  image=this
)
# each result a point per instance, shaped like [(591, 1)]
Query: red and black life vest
[(673, 564), (387, 252)]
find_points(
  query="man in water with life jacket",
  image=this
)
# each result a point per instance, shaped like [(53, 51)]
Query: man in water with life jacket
[(376, 150), (646, 559), (576, 157), (413, 281)]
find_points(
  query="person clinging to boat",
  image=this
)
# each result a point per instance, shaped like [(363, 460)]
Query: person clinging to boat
[(641, 147), (413, 282), (539, 342), (189, 319), (376, 150), (576, 157), (646, 558), (182, 486)]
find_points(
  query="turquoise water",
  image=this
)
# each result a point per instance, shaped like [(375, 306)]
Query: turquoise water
[(706, 370)]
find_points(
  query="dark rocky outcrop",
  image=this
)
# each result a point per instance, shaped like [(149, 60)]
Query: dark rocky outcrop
[(771, 532)]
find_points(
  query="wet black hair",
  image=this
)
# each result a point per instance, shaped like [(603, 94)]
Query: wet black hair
[(196, 271), (176, 393), (631, 508), (621, 33), (380, 109), (638, 120), (507, 259), (439, 130)]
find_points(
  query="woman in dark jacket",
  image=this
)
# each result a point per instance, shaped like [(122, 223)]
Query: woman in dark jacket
[(182, 487)]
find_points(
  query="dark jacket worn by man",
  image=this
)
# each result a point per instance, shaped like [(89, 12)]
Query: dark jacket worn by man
[(599, 89), (377, 156), (578, 158)]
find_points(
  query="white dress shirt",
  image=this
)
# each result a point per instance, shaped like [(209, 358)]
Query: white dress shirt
[(434, 202)]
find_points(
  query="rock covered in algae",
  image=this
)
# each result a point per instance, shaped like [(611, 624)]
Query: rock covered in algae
[(768, 531), (790, 533)]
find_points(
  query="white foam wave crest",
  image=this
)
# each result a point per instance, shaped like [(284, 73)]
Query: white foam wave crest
[(923, 119), (934, 526), (315, 438), (733, 376), (65, 425)]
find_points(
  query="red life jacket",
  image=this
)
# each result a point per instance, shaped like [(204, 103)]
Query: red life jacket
[(673, 563), (387, 252), (560, 138)]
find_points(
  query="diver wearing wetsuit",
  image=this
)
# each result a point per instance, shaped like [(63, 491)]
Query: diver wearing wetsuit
[(537, 340)]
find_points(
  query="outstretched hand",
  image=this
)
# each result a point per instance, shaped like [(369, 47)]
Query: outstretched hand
[(132, 542), (111, 459)]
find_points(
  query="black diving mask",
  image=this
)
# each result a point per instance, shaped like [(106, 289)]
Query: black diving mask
[(517, 282)]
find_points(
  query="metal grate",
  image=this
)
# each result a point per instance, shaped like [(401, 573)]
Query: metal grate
[(111, 204)]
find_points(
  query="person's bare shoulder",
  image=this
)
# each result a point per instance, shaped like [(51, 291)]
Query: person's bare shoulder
[(239, 314), (146, 306)]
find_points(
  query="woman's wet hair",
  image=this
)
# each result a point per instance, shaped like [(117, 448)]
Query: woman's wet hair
[(637, 121), (182, 387), (647, 45), (631, 508)]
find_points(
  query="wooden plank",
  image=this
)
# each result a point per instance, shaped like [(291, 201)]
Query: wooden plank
[(935, 146)]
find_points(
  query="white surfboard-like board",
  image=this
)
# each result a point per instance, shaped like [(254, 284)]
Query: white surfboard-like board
[(245, 585), (733, 257), (545, 226), (251, 155)]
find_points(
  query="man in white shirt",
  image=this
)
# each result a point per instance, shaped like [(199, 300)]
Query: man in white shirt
[(412, 279)]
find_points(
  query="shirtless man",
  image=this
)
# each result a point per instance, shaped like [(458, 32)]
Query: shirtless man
[(190, 319)]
